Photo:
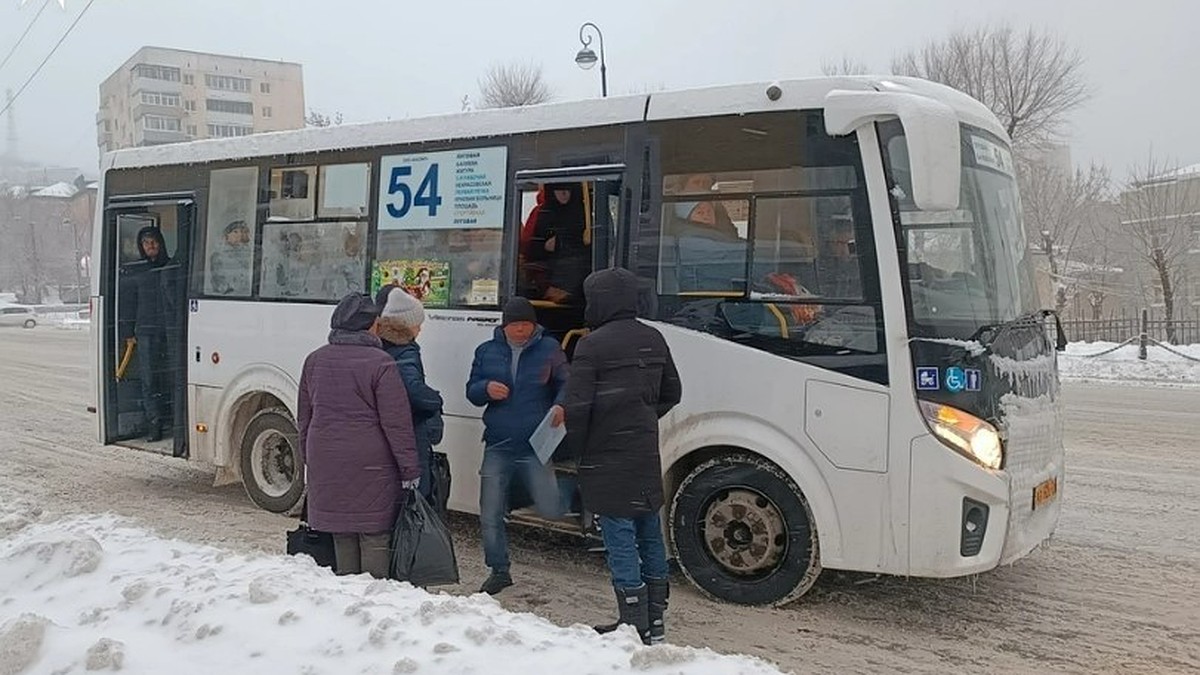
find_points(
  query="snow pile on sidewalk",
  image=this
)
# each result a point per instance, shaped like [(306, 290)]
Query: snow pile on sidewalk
[(97, 593), (1160, 367)]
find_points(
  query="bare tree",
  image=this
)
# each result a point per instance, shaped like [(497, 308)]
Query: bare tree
[(513, 84), (318, 119), (1160, 211), (1059, 206), (847, 66), (22, 245), (1031, 80)]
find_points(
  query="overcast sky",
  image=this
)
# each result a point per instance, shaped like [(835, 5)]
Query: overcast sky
[(379, 59)]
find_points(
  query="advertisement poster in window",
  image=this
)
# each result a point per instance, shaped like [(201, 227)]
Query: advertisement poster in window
[(425, 280), (443, 190), (229, 242)]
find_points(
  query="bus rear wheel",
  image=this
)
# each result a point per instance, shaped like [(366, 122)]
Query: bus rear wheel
[(744, 533), (272, 472)]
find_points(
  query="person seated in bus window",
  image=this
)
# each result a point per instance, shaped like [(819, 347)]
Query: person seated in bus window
[(229, 266), (559, 243), (707, 218)]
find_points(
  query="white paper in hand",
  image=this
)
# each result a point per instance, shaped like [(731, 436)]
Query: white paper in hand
[(545, 438)]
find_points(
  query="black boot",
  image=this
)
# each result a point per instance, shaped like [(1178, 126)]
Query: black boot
[(632, 611), (154, 431), (657, 592)]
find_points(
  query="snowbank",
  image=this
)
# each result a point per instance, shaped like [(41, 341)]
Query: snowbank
[(98, 593), (1160, 368)]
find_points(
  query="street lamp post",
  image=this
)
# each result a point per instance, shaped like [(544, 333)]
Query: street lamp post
[(586, 58)]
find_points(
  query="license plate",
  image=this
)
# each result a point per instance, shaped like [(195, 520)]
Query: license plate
[(1045, 492)]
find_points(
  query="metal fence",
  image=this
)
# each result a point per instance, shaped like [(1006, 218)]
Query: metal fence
[(1186, 331)]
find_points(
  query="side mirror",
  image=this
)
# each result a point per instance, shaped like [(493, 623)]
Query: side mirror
[(931, 129)]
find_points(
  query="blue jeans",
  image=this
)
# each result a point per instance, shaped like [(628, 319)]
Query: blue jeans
[(496, 474), (635, 549)]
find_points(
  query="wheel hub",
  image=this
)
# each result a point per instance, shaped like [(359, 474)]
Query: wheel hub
[(744, 532), (274, 463)]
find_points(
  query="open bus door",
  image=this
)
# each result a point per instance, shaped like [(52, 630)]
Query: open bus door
[(552, 276), (145, 366), (552, 264)]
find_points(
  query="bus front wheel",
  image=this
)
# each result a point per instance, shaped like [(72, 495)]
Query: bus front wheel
[(744, 533), (270, 460)]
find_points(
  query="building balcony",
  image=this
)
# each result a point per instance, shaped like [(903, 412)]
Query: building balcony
[(158, 137), (173, 112), (151, 84)]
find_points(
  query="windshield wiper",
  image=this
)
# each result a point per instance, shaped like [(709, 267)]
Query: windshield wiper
[(987, 333)]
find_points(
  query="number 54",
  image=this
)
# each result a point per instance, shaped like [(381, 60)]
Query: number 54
[(427, 192)]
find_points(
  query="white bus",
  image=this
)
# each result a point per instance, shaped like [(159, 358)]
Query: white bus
[(838, 265)]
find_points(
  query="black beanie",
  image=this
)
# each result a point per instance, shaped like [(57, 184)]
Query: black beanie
[(518, 309), (356, 312)]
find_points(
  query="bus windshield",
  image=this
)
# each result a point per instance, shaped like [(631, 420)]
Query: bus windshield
[(966, 268)]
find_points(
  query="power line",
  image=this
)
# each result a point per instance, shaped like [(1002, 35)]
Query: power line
[(22, 38), (58, 44)]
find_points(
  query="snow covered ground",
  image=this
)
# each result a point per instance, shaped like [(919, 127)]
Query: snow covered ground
[(99, 593), (1160, 368)]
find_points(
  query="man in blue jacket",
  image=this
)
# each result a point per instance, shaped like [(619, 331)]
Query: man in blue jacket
[(520, 376)]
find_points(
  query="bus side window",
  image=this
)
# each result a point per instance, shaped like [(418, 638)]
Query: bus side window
[(442, 267), (225, 265)]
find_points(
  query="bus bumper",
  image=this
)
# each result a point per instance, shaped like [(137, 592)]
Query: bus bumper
[(965, 519), (958, 513)]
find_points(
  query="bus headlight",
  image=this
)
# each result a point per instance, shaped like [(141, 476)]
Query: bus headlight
[(964, 432)]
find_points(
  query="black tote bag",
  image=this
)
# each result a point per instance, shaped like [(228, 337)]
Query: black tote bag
[(313, 543), (422, 549)]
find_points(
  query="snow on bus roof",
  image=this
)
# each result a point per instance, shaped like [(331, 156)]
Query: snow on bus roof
[(726, 99)]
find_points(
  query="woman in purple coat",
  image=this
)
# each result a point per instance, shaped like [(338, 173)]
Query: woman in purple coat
[(358, 460)]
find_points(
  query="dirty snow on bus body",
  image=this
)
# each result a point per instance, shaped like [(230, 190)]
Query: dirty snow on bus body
[(98, 593)]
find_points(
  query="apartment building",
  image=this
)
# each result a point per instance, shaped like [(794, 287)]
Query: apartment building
[(1161, 216), (169, 95)]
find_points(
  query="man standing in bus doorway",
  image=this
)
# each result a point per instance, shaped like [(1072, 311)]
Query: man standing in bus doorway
[(520, 376), (150, 329), (623, 380)]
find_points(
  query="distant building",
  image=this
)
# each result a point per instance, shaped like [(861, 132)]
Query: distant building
[(1165, 210), (170, 95)]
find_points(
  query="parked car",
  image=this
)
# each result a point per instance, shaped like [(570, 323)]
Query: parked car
[(14, 315)]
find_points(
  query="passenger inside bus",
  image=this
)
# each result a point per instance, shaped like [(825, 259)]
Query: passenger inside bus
[(708, 219), (147, 316), (556, 246), (229, 266)]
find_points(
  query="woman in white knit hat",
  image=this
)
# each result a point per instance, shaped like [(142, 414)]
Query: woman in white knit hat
[(400, 319)]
